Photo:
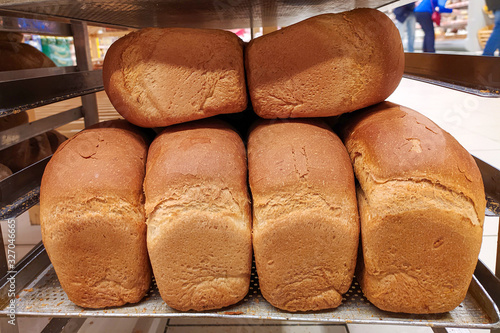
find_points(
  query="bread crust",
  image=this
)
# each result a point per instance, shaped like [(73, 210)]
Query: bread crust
[(92, 217), (306, 226), (325, 66), (199, 221), (159, 77), (421, 203)]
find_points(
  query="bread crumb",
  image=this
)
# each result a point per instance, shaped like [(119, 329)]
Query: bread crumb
[(233, 312)]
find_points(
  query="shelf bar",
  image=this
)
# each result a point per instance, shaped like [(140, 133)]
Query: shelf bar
[(478, 75), (64, 325), (33, 26), (35, 72), (20, 191), (26, 131), (84, 63), (24, 94)]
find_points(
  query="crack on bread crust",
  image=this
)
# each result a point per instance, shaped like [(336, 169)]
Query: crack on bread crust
[(108, 206), (286, 104), (206, 197), (449, 197), (319, 301), (274, 206)]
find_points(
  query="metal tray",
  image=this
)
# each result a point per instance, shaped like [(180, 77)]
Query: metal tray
[(45, 297)]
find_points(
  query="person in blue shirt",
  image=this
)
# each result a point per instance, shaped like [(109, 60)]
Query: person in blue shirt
[(493, 42), (405, 21), (423, 13)]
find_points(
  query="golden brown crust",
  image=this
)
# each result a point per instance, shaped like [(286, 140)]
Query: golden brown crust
[(306, 226), (421, 202), (159, 77), (325, 66), (397, 143), (92, 217), (199, 223)]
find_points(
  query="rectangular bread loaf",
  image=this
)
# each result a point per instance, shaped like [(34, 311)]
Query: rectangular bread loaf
[(306, 227), (421, 203), (198, 216), (92, 215), (325, 66), (159, 77)]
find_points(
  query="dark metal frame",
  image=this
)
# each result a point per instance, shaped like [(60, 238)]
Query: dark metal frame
[(20, 191), (476, 75)]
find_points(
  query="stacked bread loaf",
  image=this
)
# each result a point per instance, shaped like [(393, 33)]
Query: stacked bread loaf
[(325, 66), (198, 215), (159, 77), (420, 194), (421, 204), (15, 55), (306, 228)]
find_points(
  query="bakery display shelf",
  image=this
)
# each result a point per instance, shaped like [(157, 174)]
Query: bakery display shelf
[(23, 132), (24, 94), (20, 191), (35, 72), (224, 14), (44, 297)]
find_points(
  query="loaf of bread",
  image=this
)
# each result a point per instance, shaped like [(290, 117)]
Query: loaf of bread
[(305, 217), (421, 204), (9, 36), (39, 148), (15, 55), (27, 152), (198, 216), (92, 216), (325, 66), (159, 77), (55, 139)]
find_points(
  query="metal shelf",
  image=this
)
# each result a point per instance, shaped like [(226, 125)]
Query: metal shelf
[(37, 286), (476, 75), (46, 90), (44, 297), (222, 14), (20, 191)]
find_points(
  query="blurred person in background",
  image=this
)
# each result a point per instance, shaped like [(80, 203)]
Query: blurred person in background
[(423, 13), (405, 21), (493, 42)]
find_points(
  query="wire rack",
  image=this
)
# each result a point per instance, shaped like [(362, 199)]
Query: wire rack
[(45, 297)]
